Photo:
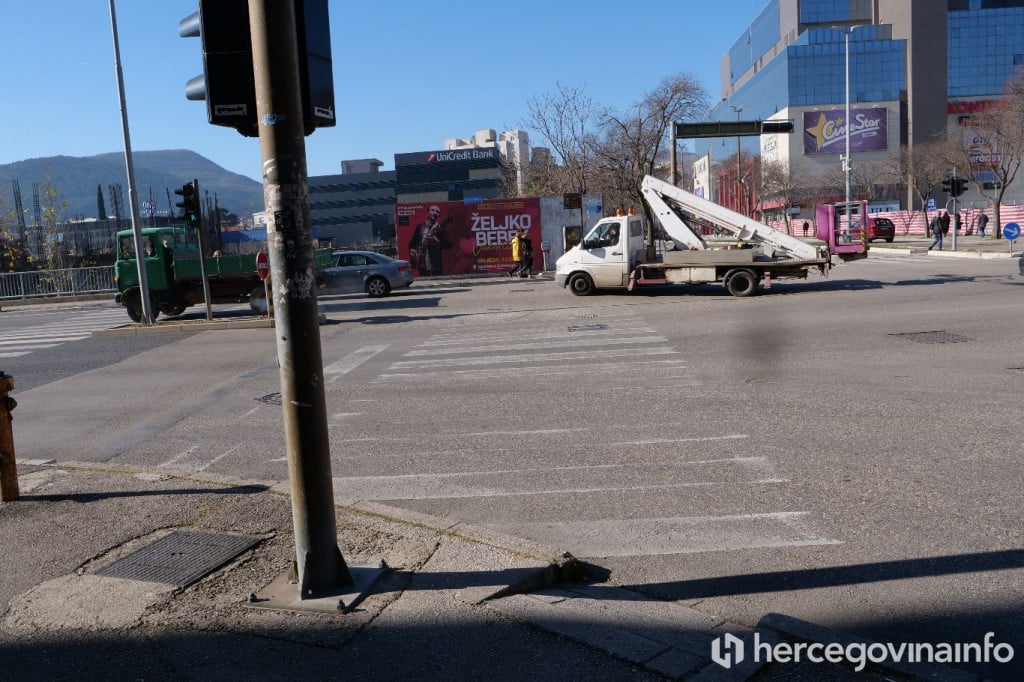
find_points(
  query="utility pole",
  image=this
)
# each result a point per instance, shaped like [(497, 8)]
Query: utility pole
[(147, 305), (737, 109), (319, 567)]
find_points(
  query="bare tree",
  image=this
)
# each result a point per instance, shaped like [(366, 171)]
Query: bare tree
[(567, 121), (54, 217), (779, 185), (631, 143), (988, 147), (919, 168)]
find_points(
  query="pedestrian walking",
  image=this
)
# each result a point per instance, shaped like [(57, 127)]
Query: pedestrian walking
[(936, 229), (957, 221), (807, 226), (517, 253), (982, 223), (944, 221), (526, 257)]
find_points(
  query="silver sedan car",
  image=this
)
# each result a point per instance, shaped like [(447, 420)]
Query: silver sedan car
[(373, 273)]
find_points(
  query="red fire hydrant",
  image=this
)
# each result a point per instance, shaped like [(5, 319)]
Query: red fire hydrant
[(8, 466)]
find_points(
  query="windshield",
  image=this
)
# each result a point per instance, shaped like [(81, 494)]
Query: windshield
[(604, 234)]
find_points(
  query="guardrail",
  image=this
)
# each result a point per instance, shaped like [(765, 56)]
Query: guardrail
[(48, 283)]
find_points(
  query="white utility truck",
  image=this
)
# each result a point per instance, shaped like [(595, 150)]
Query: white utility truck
[(745, 253)]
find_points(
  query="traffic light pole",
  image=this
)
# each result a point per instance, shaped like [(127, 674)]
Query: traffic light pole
[(956, 190), (319, 566)]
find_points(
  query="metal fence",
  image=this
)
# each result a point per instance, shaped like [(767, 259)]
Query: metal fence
[(70, 282)]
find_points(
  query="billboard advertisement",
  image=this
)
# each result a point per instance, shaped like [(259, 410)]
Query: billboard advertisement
[(825, 131), (455, 238)]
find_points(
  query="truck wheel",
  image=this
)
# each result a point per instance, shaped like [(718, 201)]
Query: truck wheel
[(741, 283), (580, 284), (173, 309), (133, 304), (377, 287)]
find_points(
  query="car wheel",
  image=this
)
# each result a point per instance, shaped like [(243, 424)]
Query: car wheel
[(377, 287), (580, 284), (741, 283), (888, 240)]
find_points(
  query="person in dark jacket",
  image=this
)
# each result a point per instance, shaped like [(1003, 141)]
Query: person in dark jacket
[(982, 224), (936, 229), (944, 221)]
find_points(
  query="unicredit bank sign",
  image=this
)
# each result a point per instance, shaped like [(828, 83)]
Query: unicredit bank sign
[(448, 156), (462, 155)]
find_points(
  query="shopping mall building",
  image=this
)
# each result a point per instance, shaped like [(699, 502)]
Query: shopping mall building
[(916, 67)]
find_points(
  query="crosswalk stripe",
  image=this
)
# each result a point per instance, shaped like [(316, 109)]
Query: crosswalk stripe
[(506, 347), (526, 360), (39, 339)]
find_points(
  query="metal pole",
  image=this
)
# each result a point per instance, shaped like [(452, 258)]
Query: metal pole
[(673, 168), (319, 566), (955, 211), (847, 164), (201, 239), (737, 109), (8, 466), (140, 252)]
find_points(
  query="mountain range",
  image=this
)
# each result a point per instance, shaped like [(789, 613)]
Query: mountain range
[(156, 173)]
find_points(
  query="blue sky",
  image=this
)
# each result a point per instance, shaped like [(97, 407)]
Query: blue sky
[(407, 74)]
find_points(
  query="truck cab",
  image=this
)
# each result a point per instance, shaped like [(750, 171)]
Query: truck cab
[(605, 256)]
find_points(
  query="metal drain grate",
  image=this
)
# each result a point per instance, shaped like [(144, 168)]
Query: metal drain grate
[(588, 327), (940, 336), (180, 558)]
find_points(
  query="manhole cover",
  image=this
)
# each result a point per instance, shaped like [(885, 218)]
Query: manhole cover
[(270, 399), (941, 336), (180, 558), (588, 327)]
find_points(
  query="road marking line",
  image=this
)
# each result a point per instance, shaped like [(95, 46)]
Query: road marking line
[(250, 413), (35, 340), (14, 355), (534, 336), (578, 343), (180, 456), (673, 535), (351, 361), (654, 441), (219, 458), (523, 361), (361, 489)]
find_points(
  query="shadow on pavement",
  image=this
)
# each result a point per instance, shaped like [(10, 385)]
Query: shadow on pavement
[(95, 497), (812, 578)]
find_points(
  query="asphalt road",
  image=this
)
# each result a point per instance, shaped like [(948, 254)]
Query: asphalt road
[(844, 451)]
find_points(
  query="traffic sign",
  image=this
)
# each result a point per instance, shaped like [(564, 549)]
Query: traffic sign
[(1011, 231), (262, 265), (929, 205)]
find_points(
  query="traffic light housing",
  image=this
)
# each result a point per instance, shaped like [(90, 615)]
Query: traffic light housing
[(947, 186), (227, 84), (191, 211), (959, 186)]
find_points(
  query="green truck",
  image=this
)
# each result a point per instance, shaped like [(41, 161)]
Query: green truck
[(174, 275)]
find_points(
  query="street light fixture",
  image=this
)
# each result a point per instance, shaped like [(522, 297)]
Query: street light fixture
[(737, 109)]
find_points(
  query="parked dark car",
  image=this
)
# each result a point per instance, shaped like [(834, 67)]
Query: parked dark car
[(373, 273), (881, 228)]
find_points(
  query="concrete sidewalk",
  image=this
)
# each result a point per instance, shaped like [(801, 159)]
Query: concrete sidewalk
[(85, 595)]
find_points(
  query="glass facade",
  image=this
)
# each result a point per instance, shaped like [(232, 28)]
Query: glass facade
[(755, 41), (832, 11), (986, 44)]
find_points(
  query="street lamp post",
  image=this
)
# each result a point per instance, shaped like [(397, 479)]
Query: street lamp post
[(737, 109), (847, 161)]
